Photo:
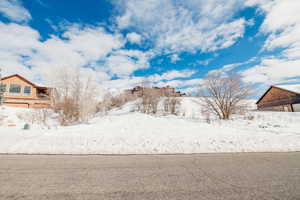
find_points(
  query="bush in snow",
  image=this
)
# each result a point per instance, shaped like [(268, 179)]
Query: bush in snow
[(75, 96), (171, 105), (207, 115), (37, 116), (249, 117), (149, 101), (110, 101)]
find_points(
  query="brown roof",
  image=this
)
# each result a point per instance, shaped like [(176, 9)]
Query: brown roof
[(24, 79)]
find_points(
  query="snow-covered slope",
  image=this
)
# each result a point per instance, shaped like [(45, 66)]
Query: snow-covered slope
[(123, 131)]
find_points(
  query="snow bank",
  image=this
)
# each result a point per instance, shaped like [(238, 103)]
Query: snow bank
[(125, 132), (9, 115)]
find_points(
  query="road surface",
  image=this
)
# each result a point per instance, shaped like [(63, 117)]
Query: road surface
[(205, 176)]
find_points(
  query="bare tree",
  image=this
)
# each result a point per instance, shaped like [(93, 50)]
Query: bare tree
[(171, 105), (149, 98), (75, 96), (174, 104), (111, 101), (105, 104), (2, 89), (149, 101), (223, 94)]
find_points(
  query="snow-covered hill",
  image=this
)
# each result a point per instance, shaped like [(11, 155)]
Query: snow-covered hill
[(124, 131)]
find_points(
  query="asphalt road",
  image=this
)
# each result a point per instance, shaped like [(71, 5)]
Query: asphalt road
[(204, 176)]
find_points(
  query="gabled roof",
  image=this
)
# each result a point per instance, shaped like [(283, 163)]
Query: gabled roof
[(290, 88), (24, 79)]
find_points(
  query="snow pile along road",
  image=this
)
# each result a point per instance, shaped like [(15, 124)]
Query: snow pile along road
[(125, 132)]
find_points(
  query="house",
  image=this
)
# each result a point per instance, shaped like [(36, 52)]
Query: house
[(280, 98), (160, 91), (20, 92)]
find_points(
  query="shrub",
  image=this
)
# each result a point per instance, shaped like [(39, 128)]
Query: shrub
[(171, 105)]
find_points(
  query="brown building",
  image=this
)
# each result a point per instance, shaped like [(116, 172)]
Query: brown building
[(20, 92), (163, 91), (280, 98)]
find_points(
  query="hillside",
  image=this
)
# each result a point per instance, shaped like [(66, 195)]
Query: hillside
[(124, 131)]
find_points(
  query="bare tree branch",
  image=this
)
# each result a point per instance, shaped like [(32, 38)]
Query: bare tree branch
[(222, 94)]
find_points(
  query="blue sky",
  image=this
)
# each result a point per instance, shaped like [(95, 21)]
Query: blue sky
[(172, 42)]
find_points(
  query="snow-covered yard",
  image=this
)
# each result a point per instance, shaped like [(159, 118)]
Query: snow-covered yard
[(126, 132)]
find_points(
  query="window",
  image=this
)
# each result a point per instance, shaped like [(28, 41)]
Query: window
[(14, 88), (27, 90), (2, 88)]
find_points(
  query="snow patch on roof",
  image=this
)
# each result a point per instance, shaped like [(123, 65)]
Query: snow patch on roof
[(292, 88)]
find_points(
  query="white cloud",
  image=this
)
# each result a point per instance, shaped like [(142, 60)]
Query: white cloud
[(263, 4), (13, 10), (134, 38), (80, 47), (124, 62), (121, 65), (173, 74), (22, 51), (205, 62), (17, 44), (167, 78), (118, 85), (272, 71), (175, 58), (190, 90), (18, 38), (282, 26), (183, 25), (227, 68), (181, 83)]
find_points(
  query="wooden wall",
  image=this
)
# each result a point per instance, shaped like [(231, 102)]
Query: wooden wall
[(20, 99), (17, 80), (277, 99)]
